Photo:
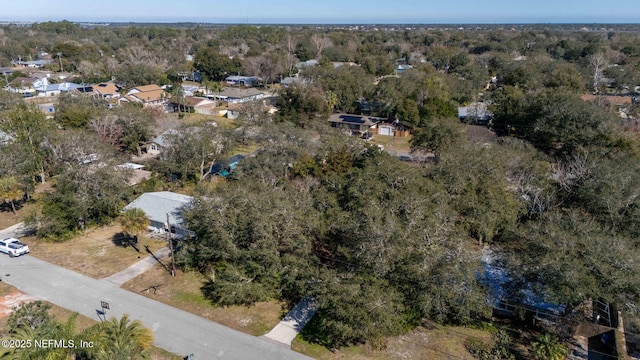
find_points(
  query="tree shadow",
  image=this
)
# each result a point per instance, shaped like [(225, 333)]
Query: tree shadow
[(125, 240)]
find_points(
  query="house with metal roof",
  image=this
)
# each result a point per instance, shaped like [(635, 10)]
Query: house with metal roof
[(57, 89), (164, 210)]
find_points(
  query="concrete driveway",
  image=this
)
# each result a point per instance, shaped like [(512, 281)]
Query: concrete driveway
[(175, 330)]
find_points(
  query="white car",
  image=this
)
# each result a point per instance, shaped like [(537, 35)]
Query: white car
[(13, 247)]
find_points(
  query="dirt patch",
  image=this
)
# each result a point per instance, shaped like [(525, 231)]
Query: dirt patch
[(12, 300), (183, 292), (98, 253)]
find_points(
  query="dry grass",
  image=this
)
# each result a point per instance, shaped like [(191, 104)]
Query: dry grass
[(8, 218), (94, 253), (437, 344), (392, 143), (183, 292)]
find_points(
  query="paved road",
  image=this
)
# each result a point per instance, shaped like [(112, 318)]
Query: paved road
[(177, 331), (16, 231)]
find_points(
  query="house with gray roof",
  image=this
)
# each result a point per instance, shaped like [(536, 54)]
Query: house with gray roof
[(477, 113), (237, 95), (248, 81), (57, 89), (161, 142), (164, 210)]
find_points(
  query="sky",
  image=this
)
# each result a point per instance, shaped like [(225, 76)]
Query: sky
[(325, 11)]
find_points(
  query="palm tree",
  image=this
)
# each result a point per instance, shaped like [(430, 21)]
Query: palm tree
[(548, 347), (123, 339), (134, 222)]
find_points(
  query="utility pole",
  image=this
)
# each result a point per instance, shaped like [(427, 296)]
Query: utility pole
[(173, 258), (60, 59)]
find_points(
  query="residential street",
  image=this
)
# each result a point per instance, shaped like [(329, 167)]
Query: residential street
[(175, 330)]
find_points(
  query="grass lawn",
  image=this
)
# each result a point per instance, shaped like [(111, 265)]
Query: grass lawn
[(183, 292), (442, 342), (392, 143), (94, 253)]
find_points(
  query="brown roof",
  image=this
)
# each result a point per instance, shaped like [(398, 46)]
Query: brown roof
[(106, 89), (194, 101), (150, 87), (147, 96), (613, 100)]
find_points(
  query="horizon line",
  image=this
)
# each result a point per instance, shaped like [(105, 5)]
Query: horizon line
[(2, 21)]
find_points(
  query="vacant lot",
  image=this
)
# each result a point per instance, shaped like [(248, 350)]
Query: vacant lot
[(439, 343), (183, 292), (98, 253)]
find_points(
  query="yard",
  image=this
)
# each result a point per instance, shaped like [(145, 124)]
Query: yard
[(437, 343), (392, 144), (183, 292), (97, 253)]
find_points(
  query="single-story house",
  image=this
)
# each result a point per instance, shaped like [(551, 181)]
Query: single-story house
[(403, 67), (304, 64), (292, 80), (106, 91), (199, 105), (34, 63), (225, 168), (57, 89), (357, 124), (160, 142), (164, 210), (147, 95), (237, 95), (248, 81), (24, 85), (6, 71), (476, 114)]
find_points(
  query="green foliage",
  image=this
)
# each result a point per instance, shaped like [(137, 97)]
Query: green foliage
[(76, 112), (548, 347), (31, 315), (436, 136), (134, 221), (216, 66), (123, 339), (300, 104)]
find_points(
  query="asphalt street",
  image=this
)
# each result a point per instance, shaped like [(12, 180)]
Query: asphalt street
[(175, 330)]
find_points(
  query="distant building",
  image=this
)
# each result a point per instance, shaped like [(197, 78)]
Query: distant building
[(237, 95), (476, 113), (357, 124), (247, 81)]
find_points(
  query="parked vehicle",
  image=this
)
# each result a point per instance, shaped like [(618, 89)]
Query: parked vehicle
[(13, 247)]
